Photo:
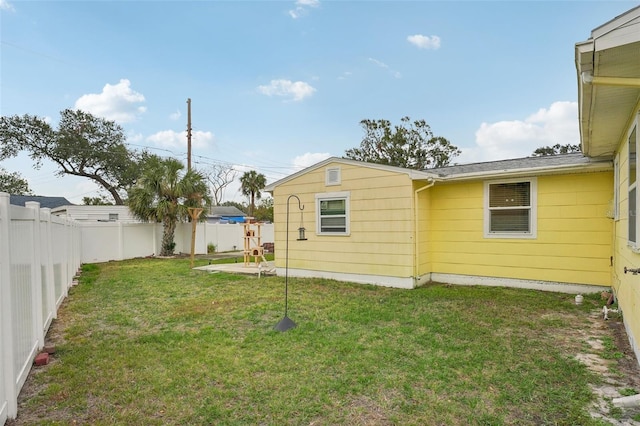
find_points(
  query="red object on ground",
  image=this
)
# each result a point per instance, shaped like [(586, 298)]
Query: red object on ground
[(42, 359)]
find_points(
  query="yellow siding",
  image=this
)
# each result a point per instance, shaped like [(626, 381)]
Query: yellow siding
[(381, 241), (626, 286), (573, 242)]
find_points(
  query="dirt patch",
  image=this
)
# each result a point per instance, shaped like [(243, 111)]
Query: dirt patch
[(616, 363)]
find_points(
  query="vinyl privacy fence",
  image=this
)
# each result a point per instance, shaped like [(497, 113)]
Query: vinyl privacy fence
[(106, 241), (39, 256)]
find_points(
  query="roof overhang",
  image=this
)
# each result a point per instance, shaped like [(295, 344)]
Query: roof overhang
[(608, 71), (591, 167), (413, 174)]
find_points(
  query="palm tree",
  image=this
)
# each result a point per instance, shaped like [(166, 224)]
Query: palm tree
[(164, 194), (251, 183)]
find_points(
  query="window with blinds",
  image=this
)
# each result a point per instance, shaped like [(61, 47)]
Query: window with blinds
[(510, 209), (333, 213)]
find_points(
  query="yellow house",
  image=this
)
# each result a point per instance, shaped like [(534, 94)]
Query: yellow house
[(561, 223), (608, 69), (539, 222)]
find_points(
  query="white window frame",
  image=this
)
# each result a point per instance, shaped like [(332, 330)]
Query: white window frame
[(533, 208), (342, 195), (633, 187)]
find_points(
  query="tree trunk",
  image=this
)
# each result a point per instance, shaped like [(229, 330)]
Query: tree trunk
[(168, 231)]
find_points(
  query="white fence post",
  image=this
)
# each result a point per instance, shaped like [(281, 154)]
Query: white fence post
[(48, 267), (6, 323), (36, 274)]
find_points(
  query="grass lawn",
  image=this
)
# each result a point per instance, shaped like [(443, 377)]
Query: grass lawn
[(149, 341)]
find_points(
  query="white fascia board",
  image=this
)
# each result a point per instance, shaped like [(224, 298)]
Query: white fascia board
[(619, 23), (584, 58)]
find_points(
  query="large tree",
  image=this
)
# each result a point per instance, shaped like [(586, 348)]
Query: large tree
[(557, 149), (13, 183), (410, 145), (82, 145), (219, 177), (264, 211), (164, 194), (240, 206), (95, 201), (251, 183)]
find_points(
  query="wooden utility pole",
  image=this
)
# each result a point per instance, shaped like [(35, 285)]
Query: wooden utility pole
[(189, 134), (194, 212)]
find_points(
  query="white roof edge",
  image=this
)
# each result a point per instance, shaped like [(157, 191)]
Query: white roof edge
[(413, 174), (585, 46), (424, 175), (600, 165), (616, 22)]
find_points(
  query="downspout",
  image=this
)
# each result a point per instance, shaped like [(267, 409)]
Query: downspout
[(416, 230), (589, 78)]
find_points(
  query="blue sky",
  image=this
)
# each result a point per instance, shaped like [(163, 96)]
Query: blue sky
[(280, 85)]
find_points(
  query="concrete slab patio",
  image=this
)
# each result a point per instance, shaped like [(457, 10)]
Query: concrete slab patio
[(264, 268)]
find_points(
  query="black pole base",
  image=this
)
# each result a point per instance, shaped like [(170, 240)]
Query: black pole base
[(285, 324)]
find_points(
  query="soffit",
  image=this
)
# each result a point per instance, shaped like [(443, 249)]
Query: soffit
[(612, 106), (605, 110)]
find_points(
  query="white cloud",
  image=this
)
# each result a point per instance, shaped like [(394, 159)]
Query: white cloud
[(175, 115), (133, 137), (171, 139), (379, 63), (116, 102), (382, 65), (345, 75), (424, 42), (302, 8), (308, 159), (297, 90), (519, 138), (5, 5)]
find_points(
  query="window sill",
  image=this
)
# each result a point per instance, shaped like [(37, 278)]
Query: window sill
[(511, 236)]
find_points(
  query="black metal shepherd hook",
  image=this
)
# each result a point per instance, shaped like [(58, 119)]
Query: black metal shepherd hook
[(286, 323)]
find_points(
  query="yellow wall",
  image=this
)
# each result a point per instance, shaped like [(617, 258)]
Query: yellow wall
[(626, 286), (381, 221), (573, 243)]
